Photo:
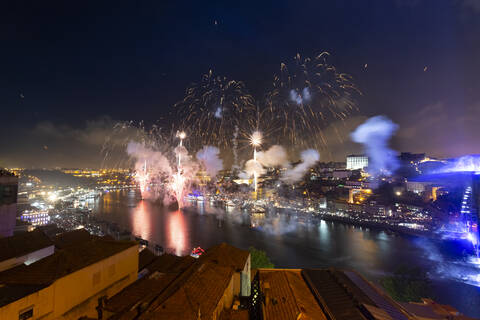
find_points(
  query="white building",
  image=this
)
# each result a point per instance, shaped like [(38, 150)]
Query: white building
[(355, 162)]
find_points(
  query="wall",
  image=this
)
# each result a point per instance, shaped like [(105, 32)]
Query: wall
[(245, 278), (73, 293), (42, 302)]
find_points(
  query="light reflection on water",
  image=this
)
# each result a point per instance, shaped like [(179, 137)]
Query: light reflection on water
[(177, 232), (141, 222)]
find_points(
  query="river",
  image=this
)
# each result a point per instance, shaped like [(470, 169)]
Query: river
[(374, 253)]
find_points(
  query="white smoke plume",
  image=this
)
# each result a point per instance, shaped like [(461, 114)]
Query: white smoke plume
[(208, 156), (252, 167), (235, 149), (374, 134), (309, 158), (156, 161), (273, 157)]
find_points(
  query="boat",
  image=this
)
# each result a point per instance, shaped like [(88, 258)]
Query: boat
[(257, 210), (197, 252), (230, 203)]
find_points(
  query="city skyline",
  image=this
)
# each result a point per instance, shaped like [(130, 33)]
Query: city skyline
[(71, 76)]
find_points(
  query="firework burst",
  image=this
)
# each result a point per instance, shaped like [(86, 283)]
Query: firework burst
[(308, 95), (215, 108)]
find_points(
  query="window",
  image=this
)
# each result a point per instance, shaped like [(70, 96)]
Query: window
[(111, 270), (96, 278), (26, 313)]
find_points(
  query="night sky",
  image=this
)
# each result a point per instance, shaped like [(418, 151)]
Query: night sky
[(70, 70)]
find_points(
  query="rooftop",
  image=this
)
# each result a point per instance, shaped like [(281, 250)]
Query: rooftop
[(22, 244), (226, 255), (181, 287), (200, 294), (162, 272), (10, 293), (287, 296), (63, 262), (347, 295), (71, 238), (145, 257)]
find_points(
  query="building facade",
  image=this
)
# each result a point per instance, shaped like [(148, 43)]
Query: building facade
[(70, 283), (8, 202), (356, 162)]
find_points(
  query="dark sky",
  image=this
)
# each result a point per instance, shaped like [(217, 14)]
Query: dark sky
[(69, 70)]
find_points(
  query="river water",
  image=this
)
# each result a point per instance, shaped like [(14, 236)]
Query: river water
[(291, 244)]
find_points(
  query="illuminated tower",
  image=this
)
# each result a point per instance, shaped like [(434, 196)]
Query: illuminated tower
[(8, 202)]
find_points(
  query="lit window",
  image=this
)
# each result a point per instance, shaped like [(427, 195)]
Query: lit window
[(26, 313)]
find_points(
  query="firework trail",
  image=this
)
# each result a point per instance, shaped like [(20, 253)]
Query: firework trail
[(308, 95), (214, 109), (235, 148)]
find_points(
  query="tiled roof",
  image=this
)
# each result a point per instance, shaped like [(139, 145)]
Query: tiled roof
[(201, 293), (194, 286), (163, 271), (335, 301), (22, 244), (141, 292), (346, 294), (287, 296), (228, 314), (63, 262), (145, 257), (380, 300), (226, 255), (70, 238)]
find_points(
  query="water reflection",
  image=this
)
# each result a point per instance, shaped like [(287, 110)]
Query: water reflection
[(141, 222), (177, 233)]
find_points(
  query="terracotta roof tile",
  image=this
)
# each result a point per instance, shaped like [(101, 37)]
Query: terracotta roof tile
[(200, 293), (229, 314), (145, 257), (226, 255), (287, 296)]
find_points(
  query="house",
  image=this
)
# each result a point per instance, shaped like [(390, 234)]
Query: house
[(70, 283)]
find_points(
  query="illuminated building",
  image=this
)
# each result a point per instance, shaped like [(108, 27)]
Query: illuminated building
[(71, 283), (8, 202), (355, 162), (36, 218)]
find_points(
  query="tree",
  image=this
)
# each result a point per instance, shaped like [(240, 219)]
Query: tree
[(407, 284), (259, 259)]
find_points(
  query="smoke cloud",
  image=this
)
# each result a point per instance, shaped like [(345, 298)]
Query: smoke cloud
[(252, 167), (309, 158), (208, 156), (155, 160), (273, 157), (374, 134)]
